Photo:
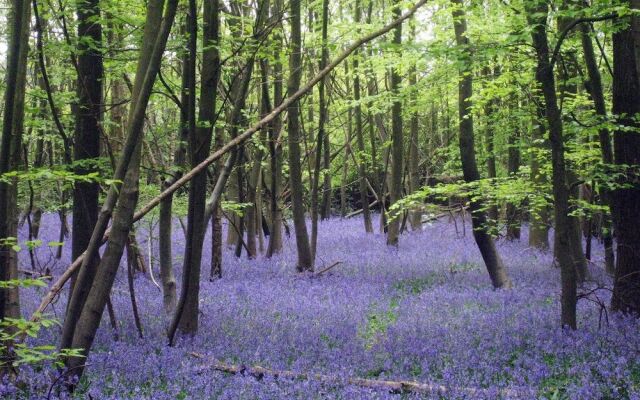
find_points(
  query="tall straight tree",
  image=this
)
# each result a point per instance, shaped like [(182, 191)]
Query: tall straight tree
[(305, 258), (275, 148), (199, 145), (357, 113), (626, 142), (594, 86), (88, 119), (321, 138), (397, 137), (10, 151), (492, 260), (537, 14)]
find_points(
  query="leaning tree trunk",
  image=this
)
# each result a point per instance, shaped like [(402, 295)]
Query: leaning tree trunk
[(626, 197), (86, 323), (305, 258), (537, 18), (492, 260), (397, 142)]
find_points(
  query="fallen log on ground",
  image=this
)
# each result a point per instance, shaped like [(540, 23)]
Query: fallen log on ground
[(399, 386)]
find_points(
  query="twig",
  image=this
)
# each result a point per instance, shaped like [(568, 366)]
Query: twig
[(328, 268)]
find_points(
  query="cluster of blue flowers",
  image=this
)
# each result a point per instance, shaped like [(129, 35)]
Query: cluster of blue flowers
[(425, 312)]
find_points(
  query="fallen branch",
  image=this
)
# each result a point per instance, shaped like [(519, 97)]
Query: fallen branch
[(229, 146), (328, 268), (358, 212), (259, 373)]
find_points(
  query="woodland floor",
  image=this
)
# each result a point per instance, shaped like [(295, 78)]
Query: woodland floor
[(425, 312)]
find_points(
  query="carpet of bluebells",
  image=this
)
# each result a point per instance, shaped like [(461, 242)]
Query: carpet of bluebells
[(425, 312)]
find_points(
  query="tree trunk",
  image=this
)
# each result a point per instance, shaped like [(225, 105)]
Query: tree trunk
[(275, 148), (415, 216), (397, 141), (87, 130), (514, 218), (305, 258), (320, 140), (537, 18), (84, 324), (10, 158), (200, 135), (492, 260), (539, 220), (626, 142), (357, 113), (594, 86)]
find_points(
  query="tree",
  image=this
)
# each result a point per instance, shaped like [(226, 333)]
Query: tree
[(626, 142), (357, 113), (87, 129), (537, 14), (492, 260), (397, 141), (10, 155), (305, 258)]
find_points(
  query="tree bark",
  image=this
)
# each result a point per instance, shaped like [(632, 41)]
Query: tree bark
[(319, 209), (275, 148), (305, 258), (83, 327), (626, 142), (397, 141), (594, 86), (514, 218), (357, 113), (10, 159), (539, 223), (492, 260), (87, 130), (537, 18)]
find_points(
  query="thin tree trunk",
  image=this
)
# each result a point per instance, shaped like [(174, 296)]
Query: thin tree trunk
[(537, 18), (539, 221), (275, 148), (305, 257), (514, 218), (199, 145), (397, 141), (415, 216), (319, 209), (594, 86), (492, 260), (357, 113)]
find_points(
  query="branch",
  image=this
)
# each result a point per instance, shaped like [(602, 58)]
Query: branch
[(573, 24), (398, 386)]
